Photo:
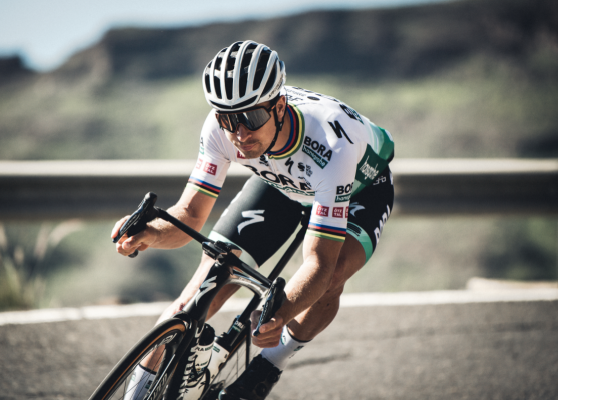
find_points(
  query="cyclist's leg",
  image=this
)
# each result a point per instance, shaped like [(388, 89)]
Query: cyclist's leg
[(369, 211), (308, 324), (258, 221), (264, 371)]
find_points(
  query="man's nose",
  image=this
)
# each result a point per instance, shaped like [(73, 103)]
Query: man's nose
[(242, 133)]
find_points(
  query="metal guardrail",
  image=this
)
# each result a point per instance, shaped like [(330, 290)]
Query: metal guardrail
[(43, 190)]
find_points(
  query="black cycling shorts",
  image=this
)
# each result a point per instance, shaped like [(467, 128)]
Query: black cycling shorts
[(260, 219)]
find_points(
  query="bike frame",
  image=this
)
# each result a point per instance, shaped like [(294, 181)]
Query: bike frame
[(227, 269)]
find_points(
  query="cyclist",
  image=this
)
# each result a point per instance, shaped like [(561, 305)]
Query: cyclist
[(307, 151)]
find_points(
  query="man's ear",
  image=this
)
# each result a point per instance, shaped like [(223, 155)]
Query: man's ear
[(280, 106)]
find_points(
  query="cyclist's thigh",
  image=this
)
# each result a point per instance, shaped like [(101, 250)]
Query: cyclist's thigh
[(259, 220), (370, 210)]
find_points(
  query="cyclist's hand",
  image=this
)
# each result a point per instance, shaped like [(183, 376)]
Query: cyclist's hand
[(270, 332), (128, 245)]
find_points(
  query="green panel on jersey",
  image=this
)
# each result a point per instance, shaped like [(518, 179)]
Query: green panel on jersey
[(376, 158), (367, 169), (383, 142)]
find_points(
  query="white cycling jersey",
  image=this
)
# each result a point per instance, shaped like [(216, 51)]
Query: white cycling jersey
[(332, 153)]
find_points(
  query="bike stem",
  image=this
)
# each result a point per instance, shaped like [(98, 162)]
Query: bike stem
[(209, 246)]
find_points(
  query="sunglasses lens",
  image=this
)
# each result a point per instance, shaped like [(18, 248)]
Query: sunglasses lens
[(226, 122), (257, 118), (253, 119)]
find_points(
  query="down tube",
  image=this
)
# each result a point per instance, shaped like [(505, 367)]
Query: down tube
[(217, 277), (196, 310)]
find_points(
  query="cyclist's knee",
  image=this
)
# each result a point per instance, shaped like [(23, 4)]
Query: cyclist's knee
[(171, 310), (344, 269), (348, 264), (336, 285), (220, 299), (333, 293)]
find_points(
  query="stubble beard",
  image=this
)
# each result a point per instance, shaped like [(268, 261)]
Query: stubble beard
[(256, 151)]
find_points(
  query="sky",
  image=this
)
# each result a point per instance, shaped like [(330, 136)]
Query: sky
[(46, 32)]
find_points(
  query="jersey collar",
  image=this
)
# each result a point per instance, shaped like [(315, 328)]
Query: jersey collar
[(296, 136)]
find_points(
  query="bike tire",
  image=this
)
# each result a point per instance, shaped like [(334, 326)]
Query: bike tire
[(169, 333)]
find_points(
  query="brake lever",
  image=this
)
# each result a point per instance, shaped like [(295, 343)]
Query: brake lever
[(273, 302), (138, 221)]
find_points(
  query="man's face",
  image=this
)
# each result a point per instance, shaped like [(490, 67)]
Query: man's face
[(252, 144)]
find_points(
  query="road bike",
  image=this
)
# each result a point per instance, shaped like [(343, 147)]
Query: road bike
[(185, 360)]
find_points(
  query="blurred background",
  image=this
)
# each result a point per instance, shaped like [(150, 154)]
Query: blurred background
[(104, 80)]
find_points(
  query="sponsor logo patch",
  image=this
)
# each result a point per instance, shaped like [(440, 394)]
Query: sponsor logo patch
[(210, 168), (323, 211), (282, 182), (369, 171), (355, 207), (263, 160), (351, 113), (341, 199), (381, 179), (343, 193), (338, 212), (320, 154)]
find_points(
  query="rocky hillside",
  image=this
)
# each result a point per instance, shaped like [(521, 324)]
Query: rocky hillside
[(457, 79), (12, 70), (400, 43)]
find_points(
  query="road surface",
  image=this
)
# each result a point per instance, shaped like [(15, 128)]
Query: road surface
[(481, 350)]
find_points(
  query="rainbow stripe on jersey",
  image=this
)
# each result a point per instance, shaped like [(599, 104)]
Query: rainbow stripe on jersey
[(203, 187), (296, 134), (325, 231)]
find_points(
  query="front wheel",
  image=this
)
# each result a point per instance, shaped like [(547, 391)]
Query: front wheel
[(156, 349)]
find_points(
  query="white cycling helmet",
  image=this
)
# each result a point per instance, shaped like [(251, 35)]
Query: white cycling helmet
[(243, 75)]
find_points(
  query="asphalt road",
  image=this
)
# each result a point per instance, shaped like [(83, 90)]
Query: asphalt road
[(499, 350)]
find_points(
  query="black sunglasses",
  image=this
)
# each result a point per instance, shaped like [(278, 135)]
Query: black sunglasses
[(252, 119)]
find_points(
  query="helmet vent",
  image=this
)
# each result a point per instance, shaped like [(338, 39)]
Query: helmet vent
[(260, 68), (230, 70), (217, 83), (243, 82), (244, 66), (207, 83), (270, 82)]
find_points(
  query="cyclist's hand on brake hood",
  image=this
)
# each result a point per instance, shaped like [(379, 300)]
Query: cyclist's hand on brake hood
[(128, 245), (270, 332)]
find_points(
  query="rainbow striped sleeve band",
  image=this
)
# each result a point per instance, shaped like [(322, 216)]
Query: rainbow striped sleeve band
[(328, 232), (203, 187)]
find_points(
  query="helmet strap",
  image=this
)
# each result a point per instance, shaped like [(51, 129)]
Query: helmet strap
[(278, 127)]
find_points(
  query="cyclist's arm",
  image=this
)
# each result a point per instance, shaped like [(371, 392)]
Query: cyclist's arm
[(308, 284), (192, 209), (313, 277)]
